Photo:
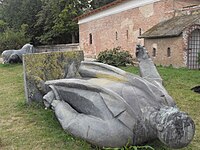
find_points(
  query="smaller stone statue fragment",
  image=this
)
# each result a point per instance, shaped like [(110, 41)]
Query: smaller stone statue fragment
[(15, 56), (196, 89), (109, 107)]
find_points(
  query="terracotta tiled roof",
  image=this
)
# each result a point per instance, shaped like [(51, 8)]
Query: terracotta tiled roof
[(100, 9), (172, 27)]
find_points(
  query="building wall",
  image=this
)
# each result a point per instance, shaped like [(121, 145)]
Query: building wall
[(122, 29), (161, 45)]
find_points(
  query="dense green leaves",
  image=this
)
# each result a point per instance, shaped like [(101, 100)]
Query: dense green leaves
[(98, 3), (116, 57), (16, 13), (3, 26), (57, 16), (47, 21), (11, 39)]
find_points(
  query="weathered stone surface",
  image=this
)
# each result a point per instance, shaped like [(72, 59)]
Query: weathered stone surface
[(15, 56), (109, 107), (56, 48), (41, 67)]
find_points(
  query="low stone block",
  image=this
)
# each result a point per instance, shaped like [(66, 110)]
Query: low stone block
[(41, 67)]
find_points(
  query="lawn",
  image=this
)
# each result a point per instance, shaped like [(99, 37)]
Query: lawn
[(26, 127)]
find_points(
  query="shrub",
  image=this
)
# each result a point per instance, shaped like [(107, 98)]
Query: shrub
[(11, 39), (3, 26), (115, 57), (198, 59)]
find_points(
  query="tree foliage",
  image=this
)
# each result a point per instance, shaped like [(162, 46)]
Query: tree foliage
[(18, 12), (12, 39), (47, 21), (57, 17), (98, 3)]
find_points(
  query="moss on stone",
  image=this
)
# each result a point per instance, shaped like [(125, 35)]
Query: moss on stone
[(112, 78), (48, 66)]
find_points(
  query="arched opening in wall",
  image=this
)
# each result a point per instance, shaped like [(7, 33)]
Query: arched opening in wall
[(193, 49), (90, 38), (140, 31), (116, 36), (154, 52), (168, 52)]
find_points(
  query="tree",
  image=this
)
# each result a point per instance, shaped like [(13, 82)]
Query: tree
[(12, 39), (65, 22), (98, 3), (3, 26), (47, 21), (18, 12), (57, 18)]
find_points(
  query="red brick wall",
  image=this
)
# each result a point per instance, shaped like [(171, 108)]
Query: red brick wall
[(176, 46), (127, 25)]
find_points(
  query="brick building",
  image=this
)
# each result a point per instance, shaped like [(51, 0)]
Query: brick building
[(121, 22), (175, 41)]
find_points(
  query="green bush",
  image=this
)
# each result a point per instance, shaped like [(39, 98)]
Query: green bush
[(3, 26), (198, 58), (115, 57), (11, 39)]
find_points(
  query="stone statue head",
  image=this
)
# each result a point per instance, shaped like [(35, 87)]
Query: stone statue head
[(175, 128)]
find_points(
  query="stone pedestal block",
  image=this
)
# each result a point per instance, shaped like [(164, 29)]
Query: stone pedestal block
[(41, 67)]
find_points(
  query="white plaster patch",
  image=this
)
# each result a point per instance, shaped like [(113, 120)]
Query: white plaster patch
[(154, 45), (140, 42), (126, 23), (147, 10)]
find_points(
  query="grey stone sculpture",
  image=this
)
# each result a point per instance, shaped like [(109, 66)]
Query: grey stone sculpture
[(15, 56), (109, 107), (196, 89)]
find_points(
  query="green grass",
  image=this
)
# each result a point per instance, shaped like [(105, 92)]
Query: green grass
[(24, 127), (178, 83), (27, 127)]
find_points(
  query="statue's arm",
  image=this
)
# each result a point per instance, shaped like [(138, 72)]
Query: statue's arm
[(147, 68), (100, 70)]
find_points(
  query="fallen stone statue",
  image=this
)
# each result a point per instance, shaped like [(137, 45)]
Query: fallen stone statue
[(109, 107), (15, 56)]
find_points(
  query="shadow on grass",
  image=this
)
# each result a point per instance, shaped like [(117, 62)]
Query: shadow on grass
[(10, 65), (46, 120)]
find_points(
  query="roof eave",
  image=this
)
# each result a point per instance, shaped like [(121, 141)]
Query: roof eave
[(99, 9), (159, 36)]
